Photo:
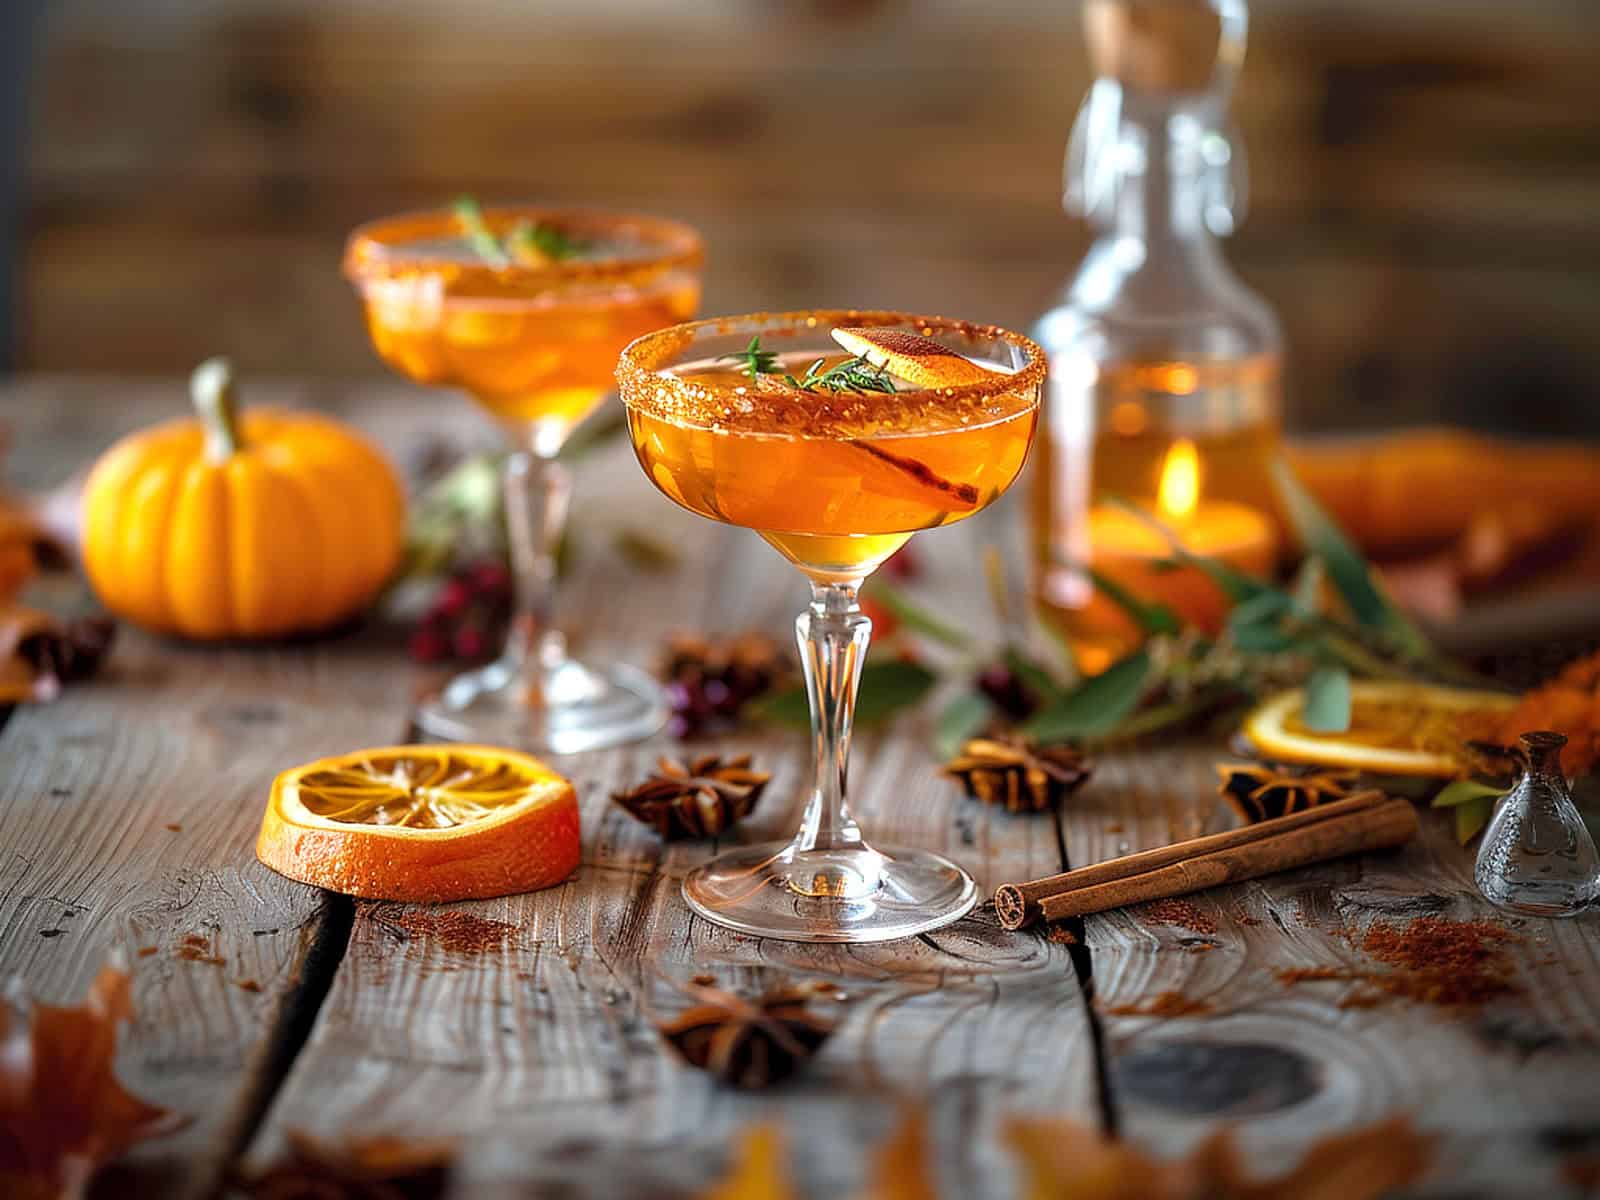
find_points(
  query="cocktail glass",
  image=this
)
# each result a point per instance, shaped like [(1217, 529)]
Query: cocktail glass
[(836, 482), (534, 339)]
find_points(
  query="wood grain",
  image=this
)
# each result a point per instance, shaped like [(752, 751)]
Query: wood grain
[(1504, 1086), (544, 1057), (128, 814)]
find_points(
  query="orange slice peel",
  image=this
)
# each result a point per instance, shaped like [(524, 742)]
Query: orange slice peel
[(912, 357), (1395, 728), (422, 824)]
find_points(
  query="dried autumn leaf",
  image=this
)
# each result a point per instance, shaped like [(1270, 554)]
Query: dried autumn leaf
[(1065, 1161), (759, 1170), (381, 1167), (902, 1168), (62, 1111)]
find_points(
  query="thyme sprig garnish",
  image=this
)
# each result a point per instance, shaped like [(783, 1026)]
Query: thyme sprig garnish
[(853, 375), (528, 242)]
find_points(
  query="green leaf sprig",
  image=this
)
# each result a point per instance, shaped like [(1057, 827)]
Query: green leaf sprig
[(527, 241), (853, 375)]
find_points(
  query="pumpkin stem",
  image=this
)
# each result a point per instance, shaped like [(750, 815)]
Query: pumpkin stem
[(212, 391)]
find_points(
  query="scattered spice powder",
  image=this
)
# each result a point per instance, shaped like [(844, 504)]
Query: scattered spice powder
[(1432, 960), (175, 827), (1063, 935), (1162, 1004), (248, 985), (455, 931), (147, 951), (1182, 913)]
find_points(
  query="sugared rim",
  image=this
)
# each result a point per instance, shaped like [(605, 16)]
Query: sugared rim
[(375, 250), (644, 386)]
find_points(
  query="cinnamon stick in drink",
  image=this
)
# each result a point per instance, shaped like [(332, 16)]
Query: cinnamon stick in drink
[(1366, 821)]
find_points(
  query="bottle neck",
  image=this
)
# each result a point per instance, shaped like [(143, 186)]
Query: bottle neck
[(1164, 183)]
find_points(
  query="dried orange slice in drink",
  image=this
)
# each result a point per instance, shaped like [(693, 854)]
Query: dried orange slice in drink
[(1395, 728), (914, 358), (422, 823)]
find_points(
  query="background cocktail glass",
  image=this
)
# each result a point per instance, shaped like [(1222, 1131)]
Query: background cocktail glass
[(535, 343), (836, 483)]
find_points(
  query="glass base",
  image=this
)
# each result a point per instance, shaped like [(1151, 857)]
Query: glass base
[(854, 895), (579, 710)]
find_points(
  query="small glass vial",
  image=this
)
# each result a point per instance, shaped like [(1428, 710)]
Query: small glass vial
[(1537, 856)]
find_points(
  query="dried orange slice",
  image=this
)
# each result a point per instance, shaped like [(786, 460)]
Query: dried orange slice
[(1395, 728), (914, 358), (422, 823)]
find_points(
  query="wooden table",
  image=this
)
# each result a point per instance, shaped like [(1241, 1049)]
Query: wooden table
[(128, 812)]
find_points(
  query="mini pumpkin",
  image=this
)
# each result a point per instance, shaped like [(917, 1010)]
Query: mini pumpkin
[(230, 525)]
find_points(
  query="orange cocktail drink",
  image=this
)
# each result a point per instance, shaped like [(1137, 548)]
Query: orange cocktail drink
[(835, 435), (525, 309)]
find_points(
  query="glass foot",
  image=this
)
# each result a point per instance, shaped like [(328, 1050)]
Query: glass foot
[(579, 710), (855, 895)]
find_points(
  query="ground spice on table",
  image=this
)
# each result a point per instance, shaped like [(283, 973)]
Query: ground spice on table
[(455, 931), (1182, 913), (196, 947), (1432, 960), (1162, 1004)]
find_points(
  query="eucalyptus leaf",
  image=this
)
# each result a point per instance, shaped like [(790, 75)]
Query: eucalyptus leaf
[(1235, 584), (1349, 572), (1327, 706), (1471, 817), (886, 688), (916, 618), (1465, 791), (1259, 609), (963, 718), (1307, 589), (1262, 639), (1096, 706)]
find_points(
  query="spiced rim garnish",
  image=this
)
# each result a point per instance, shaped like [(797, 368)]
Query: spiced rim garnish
[(648, 388), (375, 251)]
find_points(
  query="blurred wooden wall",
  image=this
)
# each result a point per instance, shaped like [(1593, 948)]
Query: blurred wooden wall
[(1425, 176)]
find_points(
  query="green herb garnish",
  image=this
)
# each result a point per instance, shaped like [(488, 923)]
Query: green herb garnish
[(756, 360), (852, 375), (528, 240)]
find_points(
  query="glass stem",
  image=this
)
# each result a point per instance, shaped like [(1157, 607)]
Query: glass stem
[(833, 634), (537, 489)]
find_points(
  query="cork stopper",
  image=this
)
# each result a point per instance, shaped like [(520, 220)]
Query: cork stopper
[(1154, 45)]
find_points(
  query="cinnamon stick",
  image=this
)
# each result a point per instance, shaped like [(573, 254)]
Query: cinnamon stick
[(1365, 821)]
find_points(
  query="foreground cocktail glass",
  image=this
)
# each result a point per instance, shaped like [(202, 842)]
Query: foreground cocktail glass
[(836, 481), (526, 309)]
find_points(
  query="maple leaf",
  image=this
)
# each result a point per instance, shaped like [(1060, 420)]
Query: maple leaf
[(62, 1111)]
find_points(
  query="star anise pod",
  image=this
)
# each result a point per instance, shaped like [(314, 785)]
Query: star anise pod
[(1014, 772), (749, 1043), (40, 652), (698, 799), (1259, 791), (369, 1168)]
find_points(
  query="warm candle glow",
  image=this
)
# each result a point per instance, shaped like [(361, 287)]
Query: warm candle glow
[(1179, 492)]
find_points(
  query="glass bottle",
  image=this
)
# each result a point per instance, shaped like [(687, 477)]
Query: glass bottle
[(1537, 855), (1155, 340)]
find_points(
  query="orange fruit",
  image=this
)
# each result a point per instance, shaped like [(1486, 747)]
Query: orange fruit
[(914, 358), (1395, 728), (422, 823)]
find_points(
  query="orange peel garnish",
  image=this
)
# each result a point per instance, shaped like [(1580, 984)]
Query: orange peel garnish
[(914, 358)]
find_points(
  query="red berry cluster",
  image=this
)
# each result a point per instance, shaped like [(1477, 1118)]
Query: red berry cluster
[(468, 618), (709, 681)]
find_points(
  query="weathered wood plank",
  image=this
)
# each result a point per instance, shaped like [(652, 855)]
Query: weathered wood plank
[(1505, 1086), (128, 813), (543, 1057)]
